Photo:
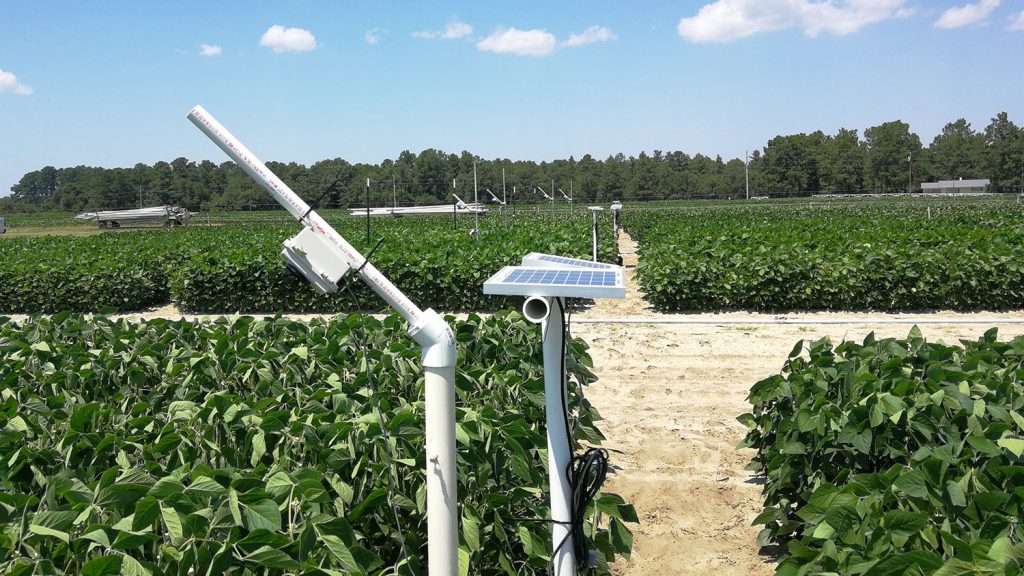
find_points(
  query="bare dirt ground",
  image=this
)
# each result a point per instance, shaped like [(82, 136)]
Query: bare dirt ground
[(670, 389), (670, 394)]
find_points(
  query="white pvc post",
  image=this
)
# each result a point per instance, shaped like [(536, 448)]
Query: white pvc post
[(426, 327), (476, 200), (559, 455), (442, 486), (595, 210), (548, 312)]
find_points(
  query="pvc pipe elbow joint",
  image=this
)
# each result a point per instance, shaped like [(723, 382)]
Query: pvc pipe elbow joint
[(436, 338), (536, 309)]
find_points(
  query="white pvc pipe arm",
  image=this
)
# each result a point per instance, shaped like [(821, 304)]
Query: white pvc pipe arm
[(298, 208), (426, 327)]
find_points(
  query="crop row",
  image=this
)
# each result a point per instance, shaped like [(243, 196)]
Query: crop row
[(844, 257), (893, 457), (269, 446), (238, 267)]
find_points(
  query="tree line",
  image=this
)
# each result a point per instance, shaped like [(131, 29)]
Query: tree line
[(889, 158)]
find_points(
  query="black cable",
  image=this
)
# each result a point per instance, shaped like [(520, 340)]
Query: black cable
[(586, 473), (330, 188), (569, 436), (364, 345), (573, 369), (370, 253)]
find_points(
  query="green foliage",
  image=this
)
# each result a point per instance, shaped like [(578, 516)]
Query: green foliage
[(257, 447), (893, 457), (104, 271), (238, 267), (837, 256), (435, 265), (890, 148), (787, 165)]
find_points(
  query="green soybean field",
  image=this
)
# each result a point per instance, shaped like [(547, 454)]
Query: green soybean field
[(268, 446), (887, 256)]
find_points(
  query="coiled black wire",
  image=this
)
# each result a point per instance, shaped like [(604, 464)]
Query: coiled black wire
[(586, 473)]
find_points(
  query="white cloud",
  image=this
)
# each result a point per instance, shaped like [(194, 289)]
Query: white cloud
[(590, 36), (9, 83), (727, 20), (967, 14), (1016, 22), (210, 50), (519, 42), (281, 39), (452, 31), (372, 36)]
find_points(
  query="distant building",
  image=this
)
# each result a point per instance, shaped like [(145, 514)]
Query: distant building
[(956, 186)]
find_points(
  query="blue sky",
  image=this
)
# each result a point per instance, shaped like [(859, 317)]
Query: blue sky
[(109, 83)]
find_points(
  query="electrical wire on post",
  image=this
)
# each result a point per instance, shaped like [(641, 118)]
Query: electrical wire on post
[(586, 473), (573, 368), (364, 349)]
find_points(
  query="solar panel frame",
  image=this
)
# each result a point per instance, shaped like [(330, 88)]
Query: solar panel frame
[(541, 260), (562, 282)]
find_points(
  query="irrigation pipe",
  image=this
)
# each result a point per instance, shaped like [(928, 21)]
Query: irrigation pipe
[(798, 321)]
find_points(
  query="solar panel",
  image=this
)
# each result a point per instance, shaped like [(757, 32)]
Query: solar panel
[(567, 282), (538, 260)]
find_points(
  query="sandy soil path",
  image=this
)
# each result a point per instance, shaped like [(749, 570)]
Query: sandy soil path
[(670, 394)]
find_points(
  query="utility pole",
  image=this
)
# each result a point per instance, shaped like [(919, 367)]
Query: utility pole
[(476, 200), (570, 196), (910, 181), (746, 170), (394, 192), (367, 211)]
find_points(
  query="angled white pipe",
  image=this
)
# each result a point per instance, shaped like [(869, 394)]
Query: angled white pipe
[(426, 327)]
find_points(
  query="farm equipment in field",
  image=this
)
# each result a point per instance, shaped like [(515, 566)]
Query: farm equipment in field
[(167, 215), (3, 226)]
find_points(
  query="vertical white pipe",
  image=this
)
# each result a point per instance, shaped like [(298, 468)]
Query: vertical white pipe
[(504, 198), (559, 454), (442, 505), (595, 235), (476, 200), (746, 170)]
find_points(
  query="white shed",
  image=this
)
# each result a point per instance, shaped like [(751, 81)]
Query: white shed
[(960, 186)]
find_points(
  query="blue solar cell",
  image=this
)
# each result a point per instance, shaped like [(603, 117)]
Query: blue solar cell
[(557, 281), (572, 261), (560, 277)]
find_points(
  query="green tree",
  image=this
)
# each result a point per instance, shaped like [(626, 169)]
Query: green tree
[(36, 187), (957, 152), (1004, 154), (790, 163), (890, 149), (841, 165)]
